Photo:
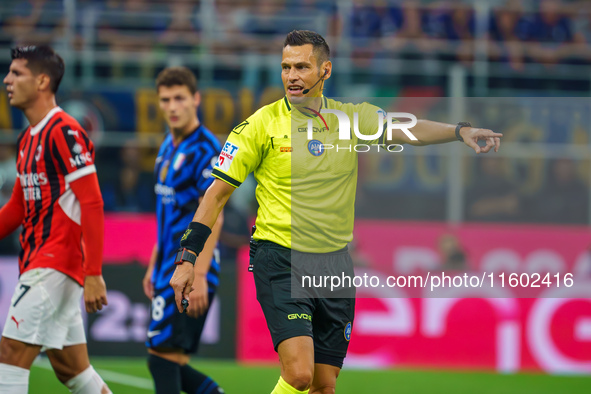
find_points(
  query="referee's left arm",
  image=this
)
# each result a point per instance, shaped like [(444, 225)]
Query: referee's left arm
[(207, 214), (428, 132)]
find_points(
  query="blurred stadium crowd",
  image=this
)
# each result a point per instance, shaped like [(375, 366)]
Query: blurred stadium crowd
[(514, 32), (520, 48), (106, 38)]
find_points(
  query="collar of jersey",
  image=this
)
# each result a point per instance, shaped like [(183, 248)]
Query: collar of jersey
[(323, 103), (39, 126), (192, 134)]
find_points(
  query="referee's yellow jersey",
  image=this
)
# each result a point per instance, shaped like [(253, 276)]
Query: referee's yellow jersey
[(306, 187)]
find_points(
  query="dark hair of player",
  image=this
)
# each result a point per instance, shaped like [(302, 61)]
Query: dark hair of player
[(42, 59), (175, 76), (303, 37)]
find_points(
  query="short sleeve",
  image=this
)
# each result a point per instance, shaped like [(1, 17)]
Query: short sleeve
[(242, 153), (369, 123), (73, 151)]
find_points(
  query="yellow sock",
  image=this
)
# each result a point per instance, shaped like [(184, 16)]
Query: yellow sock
[(283, 387)]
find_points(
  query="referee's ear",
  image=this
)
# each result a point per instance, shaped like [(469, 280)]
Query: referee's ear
[(326, 69)]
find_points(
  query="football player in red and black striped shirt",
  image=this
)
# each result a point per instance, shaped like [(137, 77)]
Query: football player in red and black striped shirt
[(57, 200)]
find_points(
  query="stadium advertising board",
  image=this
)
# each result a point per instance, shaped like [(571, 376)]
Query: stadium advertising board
[(550, 331), (120, 328)]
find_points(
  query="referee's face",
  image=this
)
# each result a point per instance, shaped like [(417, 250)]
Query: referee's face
[(300, 71), (179, 107)]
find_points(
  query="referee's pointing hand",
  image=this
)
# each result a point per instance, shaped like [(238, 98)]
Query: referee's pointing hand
[(181, 282), (472, 135)]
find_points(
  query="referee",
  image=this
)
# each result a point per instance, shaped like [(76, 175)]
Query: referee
[(306, 197)]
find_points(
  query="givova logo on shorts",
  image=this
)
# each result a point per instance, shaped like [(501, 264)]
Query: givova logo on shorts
[(305, 316)]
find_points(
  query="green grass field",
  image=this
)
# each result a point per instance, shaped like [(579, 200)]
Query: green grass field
[(132, 376)]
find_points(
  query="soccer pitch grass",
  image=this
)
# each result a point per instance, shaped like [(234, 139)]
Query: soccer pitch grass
[(239, 379)]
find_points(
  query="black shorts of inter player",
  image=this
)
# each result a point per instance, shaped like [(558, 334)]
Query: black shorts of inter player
[(170, 330), (327, 320)]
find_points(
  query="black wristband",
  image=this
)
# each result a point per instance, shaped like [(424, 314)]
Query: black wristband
[(195, 237), (458, 127)]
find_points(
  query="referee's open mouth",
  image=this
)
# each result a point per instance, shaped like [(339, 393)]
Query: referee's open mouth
[(295, 89)]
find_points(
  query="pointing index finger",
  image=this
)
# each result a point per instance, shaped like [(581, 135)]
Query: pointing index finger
[(490, 133)]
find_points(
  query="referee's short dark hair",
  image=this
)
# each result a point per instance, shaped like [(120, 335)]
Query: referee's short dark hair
[(42, 59), (175, 76), (303, 37)]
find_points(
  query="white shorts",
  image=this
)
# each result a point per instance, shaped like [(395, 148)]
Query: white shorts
[(45, 310)]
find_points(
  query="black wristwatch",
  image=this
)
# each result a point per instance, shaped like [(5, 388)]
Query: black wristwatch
[(458, 127), (183, 255)]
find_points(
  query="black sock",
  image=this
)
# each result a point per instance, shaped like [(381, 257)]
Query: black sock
[(194, 382), (166, 375)]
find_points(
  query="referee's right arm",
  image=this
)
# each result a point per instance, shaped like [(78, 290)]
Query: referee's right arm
[(207, 213), (213, 202)]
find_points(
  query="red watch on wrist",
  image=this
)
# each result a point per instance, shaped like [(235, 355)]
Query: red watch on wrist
[(183, 255)]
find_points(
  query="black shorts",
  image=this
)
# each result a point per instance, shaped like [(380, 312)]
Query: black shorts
[(328, 321), (170, 329)]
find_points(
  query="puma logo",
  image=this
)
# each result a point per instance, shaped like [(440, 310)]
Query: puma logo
[(17, 322)]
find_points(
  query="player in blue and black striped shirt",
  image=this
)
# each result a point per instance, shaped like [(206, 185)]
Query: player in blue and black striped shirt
[(183, 173)]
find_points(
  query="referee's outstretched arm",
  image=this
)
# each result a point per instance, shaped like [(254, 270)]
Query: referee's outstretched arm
[(429, 132), (205, 218)]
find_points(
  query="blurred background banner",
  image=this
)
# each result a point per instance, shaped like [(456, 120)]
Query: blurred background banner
[(551, 333), (521, 68), (120, 329), (8, 281)]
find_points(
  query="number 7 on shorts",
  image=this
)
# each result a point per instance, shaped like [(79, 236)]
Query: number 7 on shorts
[(25, 289)]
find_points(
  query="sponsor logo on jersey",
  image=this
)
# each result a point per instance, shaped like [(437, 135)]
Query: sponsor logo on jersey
[(77, 148), (81, 159), (35, 179), (32, 193), (38, 153), (73, 132), (226, 156), (315, 147), (347, 332), (30, 184), (163, 190), (166, 192), (314, 129), (304, 316), (286, 149)]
